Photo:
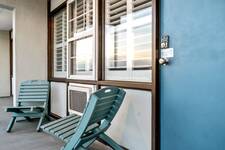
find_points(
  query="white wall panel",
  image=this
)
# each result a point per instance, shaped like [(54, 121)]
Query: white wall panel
[(56, 3), (132, 125), (58, 98)]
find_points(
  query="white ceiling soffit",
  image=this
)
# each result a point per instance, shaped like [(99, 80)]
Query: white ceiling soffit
[(6, 17)]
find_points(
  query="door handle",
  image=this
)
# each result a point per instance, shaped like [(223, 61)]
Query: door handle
[(163, 61)]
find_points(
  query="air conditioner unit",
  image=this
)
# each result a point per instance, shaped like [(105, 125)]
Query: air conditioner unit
[(78, 96)]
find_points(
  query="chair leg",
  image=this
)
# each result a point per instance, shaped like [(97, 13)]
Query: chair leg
[(39, 123), (109, 141), (28, 119), (87, 144), (47, 117), (12, 121)]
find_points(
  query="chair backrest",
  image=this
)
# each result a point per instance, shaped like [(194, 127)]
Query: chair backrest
[(107, 103), (33, 91), (100, 111)]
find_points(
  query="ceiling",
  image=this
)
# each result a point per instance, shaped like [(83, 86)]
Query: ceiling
[(5, 19)]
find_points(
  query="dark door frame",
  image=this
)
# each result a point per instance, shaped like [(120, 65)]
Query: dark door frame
[(11, 59), (156, 75)]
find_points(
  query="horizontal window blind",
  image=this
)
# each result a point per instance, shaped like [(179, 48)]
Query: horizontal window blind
[(115, 11), (118, 60), (81, 16), (60, 44), (141, 4)]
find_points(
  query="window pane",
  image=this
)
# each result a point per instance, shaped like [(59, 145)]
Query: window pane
[(81, 56), (128, 40), (82, 35), (81, 16)]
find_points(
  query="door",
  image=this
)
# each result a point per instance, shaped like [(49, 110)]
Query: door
[(192, 84), (4, 64)]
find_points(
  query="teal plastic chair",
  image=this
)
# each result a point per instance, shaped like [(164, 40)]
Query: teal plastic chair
[(32, 102), (80, 132)]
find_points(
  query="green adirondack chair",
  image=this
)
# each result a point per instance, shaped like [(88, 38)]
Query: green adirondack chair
[(31, 103), (80, 132)]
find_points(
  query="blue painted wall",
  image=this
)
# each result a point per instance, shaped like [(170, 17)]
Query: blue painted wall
[(193, 86)]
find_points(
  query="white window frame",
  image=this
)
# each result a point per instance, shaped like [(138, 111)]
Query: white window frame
[(83, 88), (90, 32)]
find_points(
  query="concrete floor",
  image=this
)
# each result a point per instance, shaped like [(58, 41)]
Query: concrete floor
[(24, 136)]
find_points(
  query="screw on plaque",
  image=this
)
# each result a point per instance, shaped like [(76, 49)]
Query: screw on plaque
[(164, 42)]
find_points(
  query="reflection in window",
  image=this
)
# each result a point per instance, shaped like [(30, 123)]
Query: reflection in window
[(128, 40), (118, 54), (81, 57), (80, 16)]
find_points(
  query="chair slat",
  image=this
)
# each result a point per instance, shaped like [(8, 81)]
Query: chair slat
[(67, 134), (103, 110), (33, 97), (63, 131), (105, 104), (34, 84), (33, 94), (108, 98), (99, 108), (61, 123), (68, 124), (98, 118), (67, 139), (33, 87), (32, 100), (33, 90), (56, 121)]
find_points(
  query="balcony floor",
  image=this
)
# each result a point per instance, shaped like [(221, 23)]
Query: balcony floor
[(24, 136)]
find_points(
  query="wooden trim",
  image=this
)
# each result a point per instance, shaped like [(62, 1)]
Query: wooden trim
[(82, 81), (50, 39), (49, 99), (49, 54), (102, 39), (11, 59), (58, 79), (125, 84), (67, 99), (155, 77), (73, 81), (98, 39)]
